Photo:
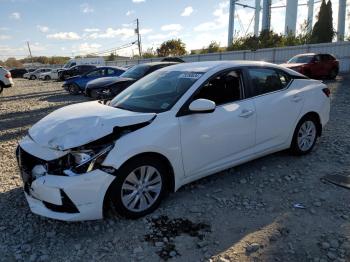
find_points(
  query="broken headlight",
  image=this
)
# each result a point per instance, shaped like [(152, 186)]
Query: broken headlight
[(86, 160)]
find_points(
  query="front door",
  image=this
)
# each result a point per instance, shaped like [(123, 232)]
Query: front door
[(211, 142)]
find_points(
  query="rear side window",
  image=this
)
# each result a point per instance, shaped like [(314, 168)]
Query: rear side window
[(265, 80), (95, 73), (326, 57)]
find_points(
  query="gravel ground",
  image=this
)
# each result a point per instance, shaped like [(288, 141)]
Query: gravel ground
[(243, 214)]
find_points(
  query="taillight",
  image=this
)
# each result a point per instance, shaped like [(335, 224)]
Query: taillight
[(8, 75), (327, 92)]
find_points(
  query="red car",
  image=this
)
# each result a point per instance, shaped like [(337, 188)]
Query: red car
[(315, 65)]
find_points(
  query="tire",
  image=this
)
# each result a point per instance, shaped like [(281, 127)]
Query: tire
[(333, 74), (74, 89), (1, 88), (305, 136), (47, 78), (32, 77), (94, 94), (127, 199)]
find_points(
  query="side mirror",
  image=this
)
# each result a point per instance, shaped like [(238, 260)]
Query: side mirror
[(202, 106)]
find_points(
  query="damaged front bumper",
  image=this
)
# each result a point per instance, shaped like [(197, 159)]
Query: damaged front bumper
[(61, 197)]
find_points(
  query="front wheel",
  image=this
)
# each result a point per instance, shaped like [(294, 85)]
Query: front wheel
[(305, 136), (47, 78), (32, 77), (139, 187), (74, 89)]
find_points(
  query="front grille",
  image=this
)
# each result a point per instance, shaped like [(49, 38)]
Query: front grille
[(27, 162)]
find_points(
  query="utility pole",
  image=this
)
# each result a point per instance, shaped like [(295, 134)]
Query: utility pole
[(30, 52), (257, 17), (341, 20), (310, 15), (266, 20), (137, 30), (231, 25), (291, 17)]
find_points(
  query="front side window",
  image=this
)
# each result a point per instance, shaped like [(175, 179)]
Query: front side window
[(222, 89), (267, 80), (157, 92), (111, 71)]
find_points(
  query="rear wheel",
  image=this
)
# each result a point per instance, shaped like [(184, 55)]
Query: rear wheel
[(333, 74), (74, 89), (139, 187), (305, 136), (1, 88), (94, 94)]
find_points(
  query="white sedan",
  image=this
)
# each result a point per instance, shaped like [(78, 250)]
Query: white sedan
[(174, 126), (51, 75)]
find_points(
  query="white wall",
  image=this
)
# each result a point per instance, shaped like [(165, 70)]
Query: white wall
[(275, 55)]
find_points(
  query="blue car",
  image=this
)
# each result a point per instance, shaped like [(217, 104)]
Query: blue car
[(77, 84)]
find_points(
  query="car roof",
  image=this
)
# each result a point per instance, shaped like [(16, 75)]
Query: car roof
[(159, 63), (207, 66), (114, 67), (204, 67)]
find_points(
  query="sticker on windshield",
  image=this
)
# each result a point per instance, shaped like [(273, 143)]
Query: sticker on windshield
[(190, 75)]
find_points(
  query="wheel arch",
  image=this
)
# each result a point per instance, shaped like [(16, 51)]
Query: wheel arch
[(170, 183), (315, 116), (170, 178)]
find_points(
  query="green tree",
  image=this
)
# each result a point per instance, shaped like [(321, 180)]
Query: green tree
[(12, 62), (213, 47), (174, 47), (323, 31), (149, 53), (111, 57)]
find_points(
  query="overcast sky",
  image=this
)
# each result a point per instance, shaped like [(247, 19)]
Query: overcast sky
[(68, 27)]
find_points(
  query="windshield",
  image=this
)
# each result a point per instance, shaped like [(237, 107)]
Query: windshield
[(136, 72), (157, 92), (301, 59)]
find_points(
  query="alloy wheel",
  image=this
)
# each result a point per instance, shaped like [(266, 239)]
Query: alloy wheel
[(307, 135), (141, 188)]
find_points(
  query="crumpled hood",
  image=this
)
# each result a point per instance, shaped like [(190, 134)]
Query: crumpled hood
[(106, 81), (80, 124), (292, 65)]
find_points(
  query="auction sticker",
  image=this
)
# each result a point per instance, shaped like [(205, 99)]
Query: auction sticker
[(190, 75)]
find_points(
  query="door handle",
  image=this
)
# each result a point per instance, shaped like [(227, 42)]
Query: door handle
[(296, 98), (246, 113)]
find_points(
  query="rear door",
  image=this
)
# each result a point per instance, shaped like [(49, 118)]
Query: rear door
[(277, 106), (213, 141)]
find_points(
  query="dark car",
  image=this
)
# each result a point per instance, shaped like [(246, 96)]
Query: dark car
[(77, 84), (18, 72), (74, 71), (317, 66), (109, 87)]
